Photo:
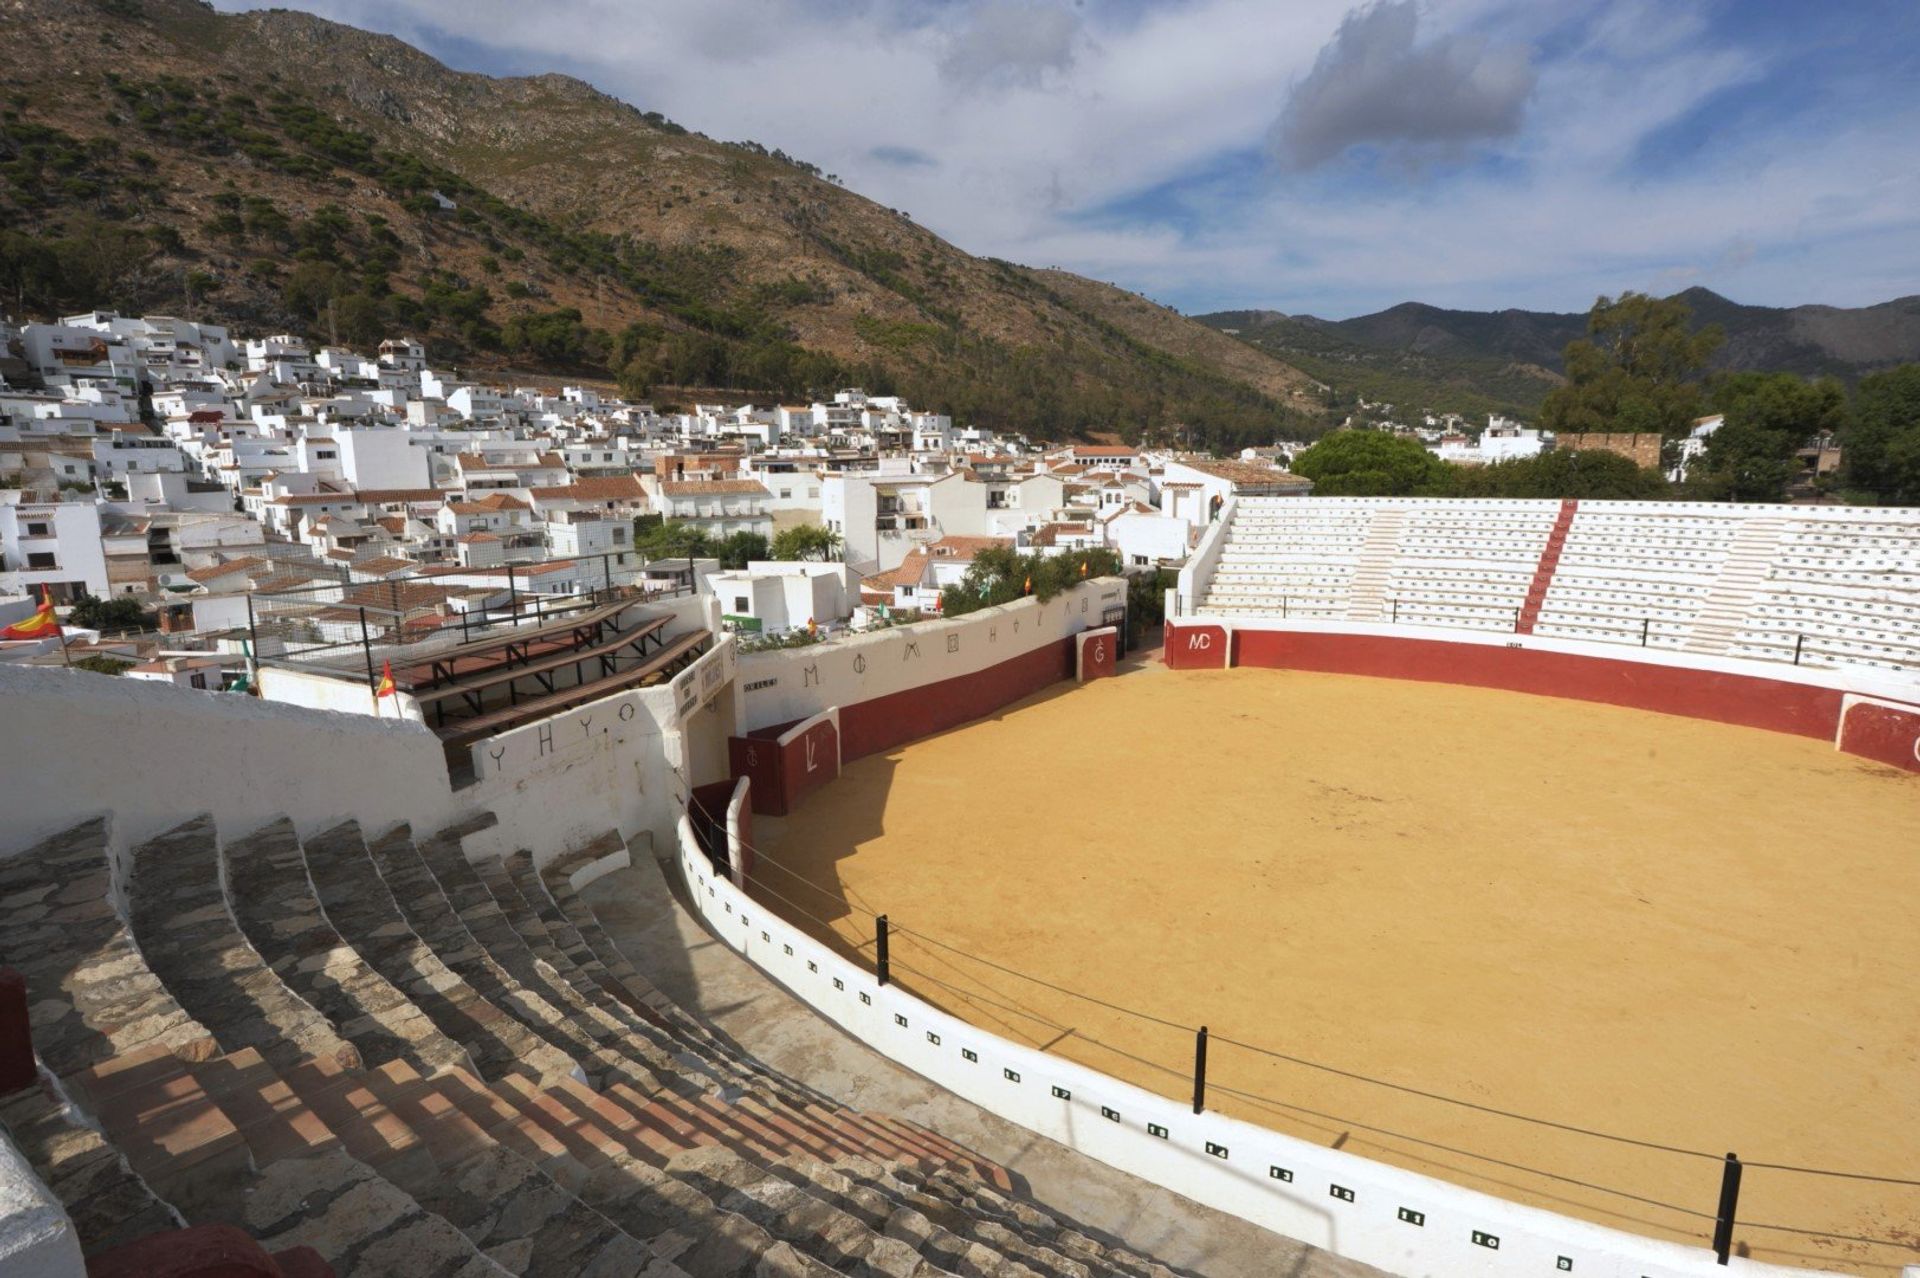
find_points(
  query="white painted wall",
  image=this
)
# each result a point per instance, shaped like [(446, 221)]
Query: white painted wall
[(36, 1238), (1227, 1164), (792, 683), (183, 753)]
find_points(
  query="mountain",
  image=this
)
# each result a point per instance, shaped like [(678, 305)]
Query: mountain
[(284, 172), (1485, 361)]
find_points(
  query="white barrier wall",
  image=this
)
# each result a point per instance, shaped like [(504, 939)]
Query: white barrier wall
[(1351, 1206), (1199, 567), (153, 755), (789, 684), (626, 762), (36, 1238)]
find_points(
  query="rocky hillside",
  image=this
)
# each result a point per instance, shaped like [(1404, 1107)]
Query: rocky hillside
[(279, 170)]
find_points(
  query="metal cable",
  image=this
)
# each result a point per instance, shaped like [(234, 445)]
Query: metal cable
[(1461, 1153), (1573, 1129), (1467, 1104)]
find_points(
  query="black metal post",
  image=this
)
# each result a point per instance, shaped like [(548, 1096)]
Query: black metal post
[(464, 636), (606, 572), (366, 646), (1729, 1204), (1645, 622), (1799, 642), (1283, 607), (513, 597), (1200, 1071), (1396, 610), (253, 635), (1516, 621), (880, 967)]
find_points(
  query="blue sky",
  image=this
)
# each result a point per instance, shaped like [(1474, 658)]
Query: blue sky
[(1302, 155)]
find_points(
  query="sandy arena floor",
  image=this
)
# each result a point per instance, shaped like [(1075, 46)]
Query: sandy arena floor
[(1692, 934)]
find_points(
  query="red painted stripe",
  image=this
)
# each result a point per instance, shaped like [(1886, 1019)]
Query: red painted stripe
[(1544, 570), (1748, 700)]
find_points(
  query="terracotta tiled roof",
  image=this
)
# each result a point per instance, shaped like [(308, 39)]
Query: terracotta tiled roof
[(384, 565), (388, 496), (911, 569), (476, 538), (955, 547), (615, 488), (1246, 474), (227, 569), (713, 487)]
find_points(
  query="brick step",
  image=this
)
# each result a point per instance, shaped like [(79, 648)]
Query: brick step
[(105, 1198), (419, 1138), (171, 1132)]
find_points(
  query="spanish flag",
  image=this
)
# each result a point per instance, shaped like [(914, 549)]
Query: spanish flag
[(385, 687), (1028, 588), (41, 625)]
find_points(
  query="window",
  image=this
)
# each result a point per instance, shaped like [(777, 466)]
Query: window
[(41, 559), (786, 493), (37, 530), (740, 604)]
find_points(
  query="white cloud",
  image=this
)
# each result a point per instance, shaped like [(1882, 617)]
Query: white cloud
[(1036, 116), (1374, 82)]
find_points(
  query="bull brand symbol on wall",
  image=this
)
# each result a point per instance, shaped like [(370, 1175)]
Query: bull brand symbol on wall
[(1199, 640), (810, 675), (812, 744), (859, 663), (911, 651), (1099, 651), (953, 643)]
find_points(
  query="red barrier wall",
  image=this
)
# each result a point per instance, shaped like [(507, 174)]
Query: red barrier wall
[(1098, 653), (205, 1251), (16, 1033), (1888, 734), (1191, 647), (884, 722), (809, 761), (783, 774), (1748, 700), (868, 727)]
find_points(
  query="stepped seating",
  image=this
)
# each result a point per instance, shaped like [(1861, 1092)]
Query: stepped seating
[(419, 1064), (671, 657), (1820, 586)]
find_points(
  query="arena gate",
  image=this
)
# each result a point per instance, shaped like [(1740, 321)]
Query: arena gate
[(1885, 731), (1096, 652), (786, 766)]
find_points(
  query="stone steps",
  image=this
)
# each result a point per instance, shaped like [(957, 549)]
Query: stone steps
[(279, 911), (357, 903), (106, 1199), (399, 1087), (435, 921), (628, 985), (91, 994), (182, 925)]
